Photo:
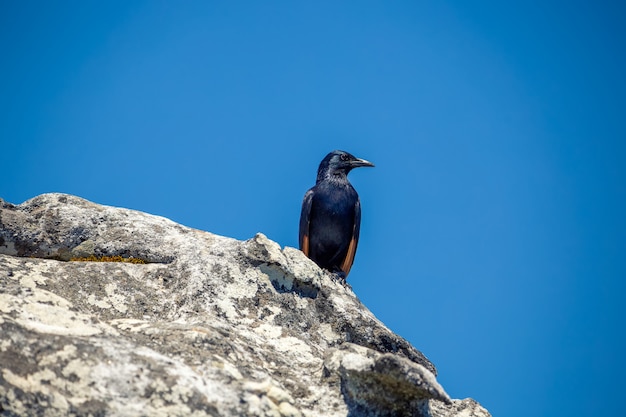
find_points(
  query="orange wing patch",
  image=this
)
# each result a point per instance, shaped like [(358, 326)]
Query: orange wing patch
[(347, 263), (305, 244)]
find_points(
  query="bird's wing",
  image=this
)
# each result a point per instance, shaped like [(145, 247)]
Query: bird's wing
[(305, 219), (349, 259)]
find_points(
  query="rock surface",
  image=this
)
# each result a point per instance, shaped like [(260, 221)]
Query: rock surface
[(209, 326)]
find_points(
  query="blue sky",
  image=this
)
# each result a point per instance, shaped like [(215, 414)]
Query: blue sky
[(494, 223)]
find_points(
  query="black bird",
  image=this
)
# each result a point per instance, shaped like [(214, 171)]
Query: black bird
[(331, 214)]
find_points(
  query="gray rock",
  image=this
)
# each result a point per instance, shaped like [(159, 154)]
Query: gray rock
[(209, 326)]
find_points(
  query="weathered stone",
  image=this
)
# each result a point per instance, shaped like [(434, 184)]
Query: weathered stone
[(210, 326), (373, 381)]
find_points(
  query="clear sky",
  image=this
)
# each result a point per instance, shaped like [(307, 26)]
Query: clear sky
[(493, 234)]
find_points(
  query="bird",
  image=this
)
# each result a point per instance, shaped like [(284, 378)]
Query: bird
[(330, 220)]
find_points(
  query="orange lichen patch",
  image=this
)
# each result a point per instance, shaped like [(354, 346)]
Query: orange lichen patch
[(93, 258)]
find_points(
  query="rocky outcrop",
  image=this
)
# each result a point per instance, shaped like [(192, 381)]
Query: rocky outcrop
[(207, 326)]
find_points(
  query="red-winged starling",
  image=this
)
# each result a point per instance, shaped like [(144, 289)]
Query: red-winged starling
[(331, 214)]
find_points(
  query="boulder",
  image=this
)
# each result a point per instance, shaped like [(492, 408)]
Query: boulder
[(197, 325)]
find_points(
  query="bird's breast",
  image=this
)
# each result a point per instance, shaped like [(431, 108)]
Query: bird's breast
[(332, 216), (340, 202)]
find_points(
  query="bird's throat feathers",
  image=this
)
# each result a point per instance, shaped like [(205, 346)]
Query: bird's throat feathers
[(334, 176)]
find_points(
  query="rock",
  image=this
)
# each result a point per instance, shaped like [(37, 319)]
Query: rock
[(373, 381), (209, 326)]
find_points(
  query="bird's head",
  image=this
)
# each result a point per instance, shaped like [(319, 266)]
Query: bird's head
[(339, 163)]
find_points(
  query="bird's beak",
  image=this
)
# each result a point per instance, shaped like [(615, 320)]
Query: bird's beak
[(360, 163)]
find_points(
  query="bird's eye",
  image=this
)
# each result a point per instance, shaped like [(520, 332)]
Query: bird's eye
[(344, 157)]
